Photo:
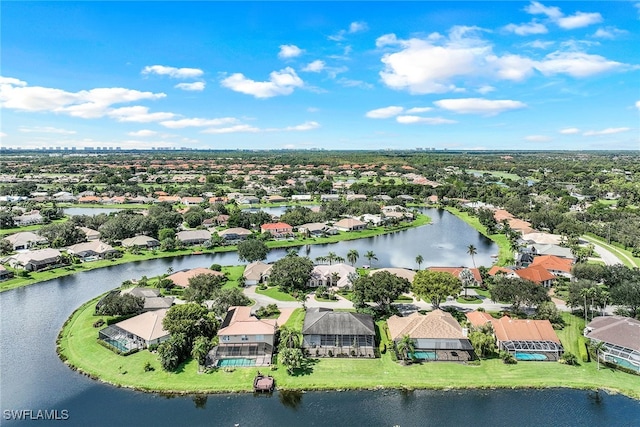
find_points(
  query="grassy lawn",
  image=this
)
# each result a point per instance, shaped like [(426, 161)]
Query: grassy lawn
[(7, 231), (472, 300), (233, 273), (505, 254), (497, 174), (296, 320), (482, 292), (78, 344), (276, 294)]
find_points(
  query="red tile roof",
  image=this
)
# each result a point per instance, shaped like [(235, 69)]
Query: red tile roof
[(507, 329), (552, 262), (479, 318), (535, 273)]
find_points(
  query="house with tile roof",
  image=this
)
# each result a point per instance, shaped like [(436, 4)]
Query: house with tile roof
[(194, 237), (555, 265), (277, 229), (331, 333), (620, 338), (338, 275), (137, 332), (25, 240), (181, 278), (527, 339), (350, 224), (256, 272), (456, 271), (436, 335), (536, 274)]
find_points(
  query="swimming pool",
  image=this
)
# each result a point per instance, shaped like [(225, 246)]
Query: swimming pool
[(622, 362), (530, 356), (120, 345), (424, 355), (236, 362)]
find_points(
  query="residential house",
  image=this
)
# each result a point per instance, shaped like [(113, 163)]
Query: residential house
[(457, 271), (338, 275), (277, 229), (30, 218), (152, 298), (256, 272), (181, 278), (137, 332), (555, 250), (248, 200), (403, 273), (350, 224), (4, 273), (372, 219), (314, 229), (329, 197), (244, 335), (190, 201), (351, 197), (275, 198), (168, 199), (527, 339), (90, 251), (382, 198), (536, 274), (329, 333), (555, 265), (301, 198), (35, 260), (89, 233), (194, 237), (436, 335), (478, 318), (141, 241), (234, 234), (620, 338), (25, 240)]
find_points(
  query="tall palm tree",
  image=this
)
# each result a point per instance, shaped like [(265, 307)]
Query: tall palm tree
[(406, 346), (471, 250), (370, 256), (352, 257), (289, 338), (419, 261), (331, 257)]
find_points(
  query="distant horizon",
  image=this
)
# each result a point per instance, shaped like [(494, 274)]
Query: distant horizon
[(348, 76)]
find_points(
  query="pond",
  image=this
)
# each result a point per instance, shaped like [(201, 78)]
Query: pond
[(89, 211)]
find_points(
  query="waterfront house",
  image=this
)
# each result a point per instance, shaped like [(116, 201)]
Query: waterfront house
[(436, 335), (244, 335), (181, 278), (91, 251), (256, 272), (30, 218), (4, 273), (350, 224), (194, 237), (153, 300), (620, 338), (527, 339), (457, 271), (338, 275), (403, 273), (35, 260), (234, 234), (333, 333), (137, 332), (25, 240), (141, 241), (277, 229)]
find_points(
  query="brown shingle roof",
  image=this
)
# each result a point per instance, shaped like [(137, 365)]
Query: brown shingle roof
[(618, 330)]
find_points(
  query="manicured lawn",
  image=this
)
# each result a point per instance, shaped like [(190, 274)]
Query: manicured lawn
[(276, 294), (497, 174), (79, 345), (296, 320), (233, 273), (7, 231), (473, 300)]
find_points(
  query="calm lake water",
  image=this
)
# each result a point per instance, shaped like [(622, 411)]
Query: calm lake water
[(33, 378)]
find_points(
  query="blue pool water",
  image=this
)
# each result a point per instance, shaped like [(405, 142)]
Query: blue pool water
[(236, 361), (425, 355), (117, 344), (530, 356), (623, 362)]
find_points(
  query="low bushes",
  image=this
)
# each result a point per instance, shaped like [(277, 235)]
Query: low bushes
[(582, 349)]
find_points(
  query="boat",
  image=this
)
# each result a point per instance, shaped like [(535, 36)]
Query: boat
[(263, 383)]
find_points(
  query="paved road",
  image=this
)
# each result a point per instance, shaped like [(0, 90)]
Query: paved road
[(606, 255)]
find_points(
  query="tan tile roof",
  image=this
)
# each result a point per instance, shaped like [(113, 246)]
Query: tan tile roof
[(146, 325), (243, 323), (181, 278), (455, 272), (478, 318), (436, 324), (507, 329), (403, 273)]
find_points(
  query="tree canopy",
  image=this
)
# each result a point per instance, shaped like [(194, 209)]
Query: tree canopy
[(518, 292), (291, 273), (435, 286), (252, 250), (381, 288)]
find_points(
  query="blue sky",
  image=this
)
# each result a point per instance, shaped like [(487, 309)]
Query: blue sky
[(333, 75)]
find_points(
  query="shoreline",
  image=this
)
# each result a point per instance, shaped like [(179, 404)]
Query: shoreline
[(7, 285), (77, 347)]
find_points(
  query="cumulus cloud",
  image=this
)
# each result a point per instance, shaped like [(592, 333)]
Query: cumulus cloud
[(539, 44), (2, 135), (576, 64), (176, 73), (608, 33), (138, 114), (607, 131), (526, 29), (538, 138), (46, 129), (418, 110), (569, 131), (410, 119), (239, 128), (198, 122), (233, 129), (638, 105), (384, 113), (578, 20), (315, 66), (303, 127), (481, 106), (143, 133), (87, 104), (485, 89), (354, 27), (195, 86), (289, 51), (281, 82), (354, 83)]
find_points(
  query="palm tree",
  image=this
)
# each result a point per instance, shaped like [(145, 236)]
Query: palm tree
[(471, 250), (406, 346), (598, 348), (331, 257), (370, 256), (352, 257), (419, 261), (289, 338)]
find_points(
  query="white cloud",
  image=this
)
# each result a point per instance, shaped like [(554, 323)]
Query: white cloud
[(485, 89), (143, 133), (87, 104), (387, 40), (3, 135), (638, 105), (418, 110), (511, 67), (384, 113), (138, 114), (569, 131), (315, 66), (46, 129), (357, 27), (579, 20), (576, 64), (313, 109), (233, 129), (11, 81), (526, 29), (538, 138), (482, 106), (303, 127), (409, 119), (195, 86), (197, 122), (176, 73), (608, 131), (354, 83), (539, 44), (281, 82), (289, 51), (608, 33)]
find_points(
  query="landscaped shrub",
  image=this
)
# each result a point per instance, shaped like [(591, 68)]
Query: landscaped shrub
[(508, 358), (582, 349), (148, 367), (98, 323), (262, 287), (153, 347), (330, 353), (569, 359)]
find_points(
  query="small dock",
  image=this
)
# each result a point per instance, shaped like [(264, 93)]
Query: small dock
[(263, 383)]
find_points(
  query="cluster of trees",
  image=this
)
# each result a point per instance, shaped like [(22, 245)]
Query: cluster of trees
[(209, 287), (290, 352), (114, 304), (518, 292)]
